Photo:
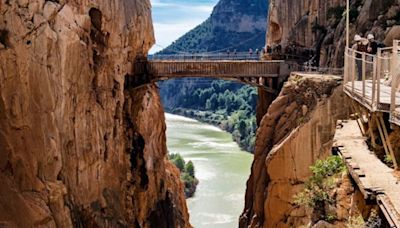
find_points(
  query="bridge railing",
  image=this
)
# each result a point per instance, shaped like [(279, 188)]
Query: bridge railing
[(322, 70), (384, 72), (395, 83), (374, 80), (207, 56), (227, 56), (227, 69), (360, 77)]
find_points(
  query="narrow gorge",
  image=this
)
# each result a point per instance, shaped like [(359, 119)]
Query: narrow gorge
[(80, 146)]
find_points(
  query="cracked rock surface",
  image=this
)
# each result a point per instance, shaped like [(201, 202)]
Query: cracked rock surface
[(297, 130), (77, 148)]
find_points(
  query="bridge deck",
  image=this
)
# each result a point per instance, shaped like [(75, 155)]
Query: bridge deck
[(219, 69)]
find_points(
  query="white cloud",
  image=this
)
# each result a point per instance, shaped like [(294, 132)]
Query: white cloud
[(166, 33), (158, 3), (174, 18), (186, 7)]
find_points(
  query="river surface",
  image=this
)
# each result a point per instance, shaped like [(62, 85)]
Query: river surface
[(220, 165)]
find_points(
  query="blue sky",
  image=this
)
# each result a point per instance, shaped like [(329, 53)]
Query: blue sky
[(173, 18)]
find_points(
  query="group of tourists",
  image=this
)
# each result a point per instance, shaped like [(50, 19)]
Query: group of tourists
[(367, 45), (364, 45)]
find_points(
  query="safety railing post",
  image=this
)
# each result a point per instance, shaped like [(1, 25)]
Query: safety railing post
[(363, 74), (345, 68), (379, 76), (374, 62), (353, 69), (393, 70)]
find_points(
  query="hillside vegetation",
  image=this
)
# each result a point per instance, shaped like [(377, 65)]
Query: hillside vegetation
[(228, 105)]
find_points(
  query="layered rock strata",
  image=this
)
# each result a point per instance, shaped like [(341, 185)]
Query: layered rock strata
[(77, 147), (297, 130)]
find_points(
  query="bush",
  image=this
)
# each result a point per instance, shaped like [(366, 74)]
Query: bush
[(189, 168), (178, 161), (388, 161), (320, 184), (355, 222), (187, 173)]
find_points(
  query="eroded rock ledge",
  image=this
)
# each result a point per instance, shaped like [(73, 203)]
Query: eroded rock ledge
[(297, 130)]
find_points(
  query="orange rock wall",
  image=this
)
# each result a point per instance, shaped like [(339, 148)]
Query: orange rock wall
[(292, 20), (297, 130), (77, 148)]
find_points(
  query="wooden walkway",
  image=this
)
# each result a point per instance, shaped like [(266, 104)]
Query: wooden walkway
[(395, 116), (365, 96), (374, 179), (365, 76)]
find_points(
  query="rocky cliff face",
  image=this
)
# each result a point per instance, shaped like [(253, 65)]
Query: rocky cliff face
[(230, 15), (77, 147), (297, 130), (233, 24), (292, 21), (321, 25)]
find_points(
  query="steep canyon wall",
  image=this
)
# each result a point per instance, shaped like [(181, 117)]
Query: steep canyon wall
[(297, 131), (321, 25), (77, 147)]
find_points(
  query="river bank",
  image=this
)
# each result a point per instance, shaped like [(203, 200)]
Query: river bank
[(223, 122), (220, 165)]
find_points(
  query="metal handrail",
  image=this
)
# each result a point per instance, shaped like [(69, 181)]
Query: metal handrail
[(366, 73), (395, 73), (224, 56), (385, 68)]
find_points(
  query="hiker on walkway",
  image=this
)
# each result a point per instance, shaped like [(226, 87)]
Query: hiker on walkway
[(361, 46), (372, 45)]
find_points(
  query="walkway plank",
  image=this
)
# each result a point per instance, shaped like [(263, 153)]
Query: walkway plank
[(376, 176)]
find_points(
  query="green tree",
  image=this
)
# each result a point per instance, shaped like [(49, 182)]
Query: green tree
[(189, 168), (242, 127), (212, 103), (179, 162)]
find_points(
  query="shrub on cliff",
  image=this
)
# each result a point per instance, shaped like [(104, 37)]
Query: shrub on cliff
[(187, 173), (190, 168), (316, 194), (178, 161)]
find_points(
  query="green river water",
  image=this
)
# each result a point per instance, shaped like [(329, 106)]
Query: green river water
[(221, 167)]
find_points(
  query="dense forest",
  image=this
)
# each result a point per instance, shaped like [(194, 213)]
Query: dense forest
[(234, 25)]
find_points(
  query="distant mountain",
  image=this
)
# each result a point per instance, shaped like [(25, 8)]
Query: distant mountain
[(233, 24)]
